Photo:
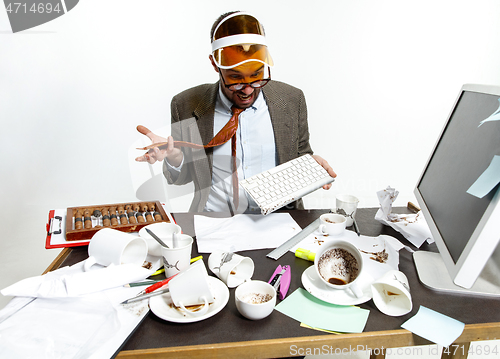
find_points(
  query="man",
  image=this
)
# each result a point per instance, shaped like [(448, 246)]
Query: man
[(271, 121)]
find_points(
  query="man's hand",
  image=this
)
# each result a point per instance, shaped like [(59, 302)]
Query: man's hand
[(327, 167), (173, 155)]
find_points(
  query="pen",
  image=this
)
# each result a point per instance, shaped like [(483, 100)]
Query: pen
[(159, 271), (139, 284), (195, 259), (145, 296), (155, 286), (356, 227)]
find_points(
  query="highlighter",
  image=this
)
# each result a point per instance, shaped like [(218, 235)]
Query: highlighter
[(305, 254)]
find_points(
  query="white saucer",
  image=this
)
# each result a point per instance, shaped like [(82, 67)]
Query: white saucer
[(161, 304), (314, 285)]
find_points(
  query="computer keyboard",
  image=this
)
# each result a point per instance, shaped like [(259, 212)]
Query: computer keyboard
[(286, 183)]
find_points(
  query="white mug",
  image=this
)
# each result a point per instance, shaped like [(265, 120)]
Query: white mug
[(391, 294), (177, 259), (332, 224), (109, 246), (231, 268), (255, 299), (191, 288), (347, 206), (162, 230), (339, 265)]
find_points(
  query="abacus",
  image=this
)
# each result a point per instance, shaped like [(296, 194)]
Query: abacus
[(84, 222)]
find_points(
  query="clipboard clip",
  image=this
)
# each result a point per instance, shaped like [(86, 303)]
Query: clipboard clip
[(280, 280), (50, 227)]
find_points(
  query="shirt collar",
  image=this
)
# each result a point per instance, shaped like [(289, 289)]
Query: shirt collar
[(226, 104)]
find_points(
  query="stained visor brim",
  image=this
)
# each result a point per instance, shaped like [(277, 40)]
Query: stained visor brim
[(235, 55)]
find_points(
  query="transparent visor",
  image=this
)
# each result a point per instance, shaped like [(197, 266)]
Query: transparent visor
[(236, 55), (238, 39)]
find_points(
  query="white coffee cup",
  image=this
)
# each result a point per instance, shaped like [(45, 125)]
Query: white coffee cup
[(191, 288), (347, 206), (255, 299), (339, 265), (109, 246), (231, 268), (177, 259), (391, 294), (162, 230), (332, 224)]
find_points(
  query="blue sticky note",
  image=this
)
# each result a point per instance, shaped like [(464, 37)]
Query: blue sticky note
[(434, 326), (488, 179)]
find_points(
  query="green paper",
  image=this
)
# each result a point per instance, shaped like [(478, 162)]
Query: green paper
[(306, 308)]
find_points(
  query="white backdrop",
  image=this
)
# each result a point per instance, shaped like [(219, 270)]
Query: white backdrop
[(379, 77)]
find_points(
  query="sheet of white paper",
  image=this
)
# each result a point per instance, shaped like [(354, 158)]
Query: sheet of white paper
[(487, 180), (73, 281), (369, 245), (243, 232), (56, 313), (434, 326)]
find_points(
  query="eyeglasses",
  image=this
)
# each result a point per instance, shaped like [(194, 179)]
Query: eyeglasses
[(240, 86)]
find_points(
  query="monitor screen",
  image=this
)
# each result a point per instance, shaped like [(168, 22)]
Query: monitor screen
[(463, 152)]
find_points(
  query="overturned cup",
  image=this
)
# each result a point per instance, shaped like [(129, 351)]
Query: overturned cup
[(231, 268), (391, 294)]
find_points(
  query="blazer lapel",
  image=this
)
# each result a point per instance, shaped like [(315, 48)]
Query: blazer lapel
[(204, 113), (278, 111)]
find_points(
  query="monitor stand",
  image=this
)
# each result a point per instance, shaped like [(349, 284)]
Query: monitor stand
[(433, 274)]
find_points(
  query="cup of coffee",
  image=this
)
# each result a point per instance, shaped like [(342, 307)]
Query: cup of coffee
[(231, 268), (177, 259), (109, 246), (339, 265), (391, 294), (162, 230), (255, 299), (332, 224), (347, 206), (191, 291)]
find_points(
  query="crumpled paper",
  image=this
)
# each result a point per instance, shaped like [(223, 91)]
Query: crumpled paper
[(73, 281), (412, 226)]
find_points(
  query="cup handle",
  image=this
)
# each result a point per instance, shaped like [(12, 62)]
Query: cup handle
[(321, 227), (198, 313), (356, 290), (89, 262)]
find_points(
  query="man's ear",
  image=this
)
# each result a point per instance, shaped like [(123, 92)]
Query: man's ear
[(213, 63)]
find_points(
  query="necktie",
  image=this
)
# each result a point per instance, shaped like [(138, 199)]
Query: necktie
[(228, 132)]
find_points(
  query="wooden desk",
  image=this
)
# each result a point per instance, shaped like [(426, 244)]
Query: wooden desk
[(228, 334)]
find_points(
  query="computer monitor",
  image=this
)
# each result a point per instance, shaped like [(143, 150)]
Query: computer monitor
[(466, 227)]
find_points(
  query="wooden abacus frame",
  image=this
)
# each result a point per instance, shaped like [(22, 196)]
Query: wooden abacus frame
[(87, 233)]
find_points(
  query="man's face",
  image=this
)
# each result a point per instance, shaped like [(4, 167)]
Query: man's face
[(246, 73)]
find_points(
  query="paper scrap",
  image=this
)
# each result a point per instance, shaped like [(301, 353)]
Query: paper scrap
[(495, 116), (487, 180), (306, 308), (434, 326), (243, 232)]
